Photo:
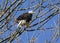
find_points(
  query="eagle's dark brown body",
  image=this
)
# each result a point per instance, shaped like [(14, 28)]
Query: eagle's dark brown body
[(25, 16)]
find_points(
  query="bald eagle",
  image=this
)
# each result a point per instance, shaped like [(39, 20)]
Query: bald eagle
[(25, 18)]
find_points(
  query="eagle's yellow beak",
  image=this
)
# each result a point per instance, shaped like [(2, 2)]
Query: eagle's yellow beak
[(33, 12)]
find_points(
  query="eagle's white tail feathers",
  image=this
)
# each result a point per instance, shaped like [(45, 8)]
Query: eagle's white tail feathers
[(21, 23)]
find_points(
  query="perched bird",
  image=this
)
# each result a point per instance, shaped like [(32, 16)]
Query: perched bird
[(25, 18)]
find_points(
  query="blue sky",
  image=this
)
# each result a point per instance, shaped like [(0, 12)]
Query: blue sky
[(42, 35)]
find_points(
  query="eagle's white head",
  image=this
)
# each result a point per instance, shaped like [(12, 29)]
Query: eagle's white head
[(31, 12)]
